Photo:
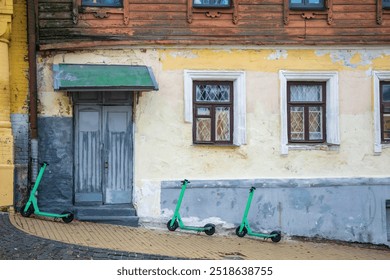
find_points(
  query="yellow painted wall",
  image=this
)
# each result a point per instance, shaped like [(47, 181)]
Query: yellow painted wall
[(6, 138), (273, 60), (18, 60), (163, 140)]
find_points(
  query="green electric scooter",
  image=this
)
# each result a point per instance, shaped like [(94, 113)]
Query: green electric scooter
[(31, 207), (244, 227), (176, 221)]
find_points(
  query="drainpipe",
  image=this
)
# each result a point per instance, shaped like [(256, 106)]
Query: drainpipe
[(32, 12)]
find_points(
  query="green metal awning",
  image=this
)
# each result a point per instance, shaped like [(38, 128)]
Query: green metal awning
[(101, 77)]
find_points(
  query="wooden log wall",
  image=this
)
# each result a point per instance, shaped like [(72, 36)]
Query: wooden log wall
[(166, 22)]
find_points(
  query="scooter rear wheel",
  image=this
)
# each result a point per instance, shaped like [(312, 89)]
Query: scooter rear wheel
[(174, 226), (29, 211), (278, 236), (210, 231), (242, 233), (69, 218)]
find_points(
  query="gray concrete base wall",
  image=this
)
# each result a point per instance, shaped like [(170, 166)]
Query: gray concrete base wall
[(21, 154), (339, 209), (55, 146)]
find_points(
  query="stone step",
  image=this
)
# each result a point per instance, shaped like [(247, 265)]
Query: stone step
[(114, 220), (110, 214), (105, 211)]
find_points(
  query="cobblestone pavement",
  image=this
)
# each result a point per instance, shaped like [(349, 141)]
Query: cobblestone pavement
[(18, 245), (37, 238)]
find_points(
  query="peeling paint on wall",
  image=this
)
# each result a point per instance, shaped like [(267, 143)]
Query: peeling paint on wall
[(147, 198), (266, 60), (278, 54), (55, 104), (357, 58)]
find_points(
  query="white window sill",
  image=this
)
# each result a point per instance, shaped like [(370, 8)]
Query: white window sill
[(317, 147)]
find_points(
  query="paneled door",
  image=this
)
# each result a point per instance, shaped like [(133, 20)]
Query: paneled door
[(103, 154)]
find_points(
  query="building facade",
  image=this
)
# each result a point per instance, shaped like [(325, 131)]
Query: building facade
[(287, 96)]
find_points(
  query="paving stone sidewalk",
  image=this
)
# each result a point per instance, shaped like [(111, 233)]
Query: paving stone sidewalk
[(18, 245), (36, 238)]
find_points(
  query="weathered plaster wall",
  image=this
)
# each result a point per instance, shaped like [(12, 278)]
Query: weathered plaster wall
[(163, 149), (261, 156), (338, 208), (55, 146)]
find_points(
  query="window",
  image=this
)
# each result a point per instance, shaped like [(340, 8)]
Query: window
[(213, 112), (216, 102), (306, 112), (307, 4), (99, 9), (308, 10), (102, 3), (213, 9), (386, 4), (385, 111), (309, 110), (211, 3), (382, 10), (381, 81)]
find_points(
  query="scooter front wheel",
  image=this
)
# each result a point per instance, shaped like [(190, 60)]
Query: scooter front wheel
[(210, 231), (277, 237), (241, 233), (69, 218), (29, 211), (174, 226)]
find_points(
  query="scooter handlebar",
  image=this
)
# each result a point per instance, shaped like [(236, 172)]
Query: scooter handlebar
[(43, 163), (185, 181), (252, 189)]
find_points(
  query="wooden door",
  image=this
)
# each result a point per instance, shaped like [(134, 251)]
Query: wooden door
[(103, 154)]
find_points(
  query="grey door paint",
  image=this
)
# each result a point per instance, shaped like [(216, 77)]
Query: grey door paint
[(117, 154), (103, 154)]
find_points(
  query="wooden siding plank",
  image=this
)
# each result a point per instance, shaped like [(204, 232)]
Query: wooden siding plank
[(55, 15), (165, 22)]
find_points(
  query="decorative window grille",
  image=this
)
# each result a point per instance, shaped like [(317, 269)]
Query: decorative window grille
[(385, 111), (306, 110), (213, 112)]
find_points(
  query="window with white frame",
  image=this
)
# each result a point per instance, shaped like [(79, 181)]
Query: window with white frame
[(309, 109), (215, 105), (381, 110)]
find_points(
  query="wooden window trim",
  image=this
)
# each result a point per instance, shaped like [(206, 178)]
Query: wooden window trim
[(306, 105), (79, 12), (212, 106), (308, 14), (380, 11), (382, 104), (213, 12)]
